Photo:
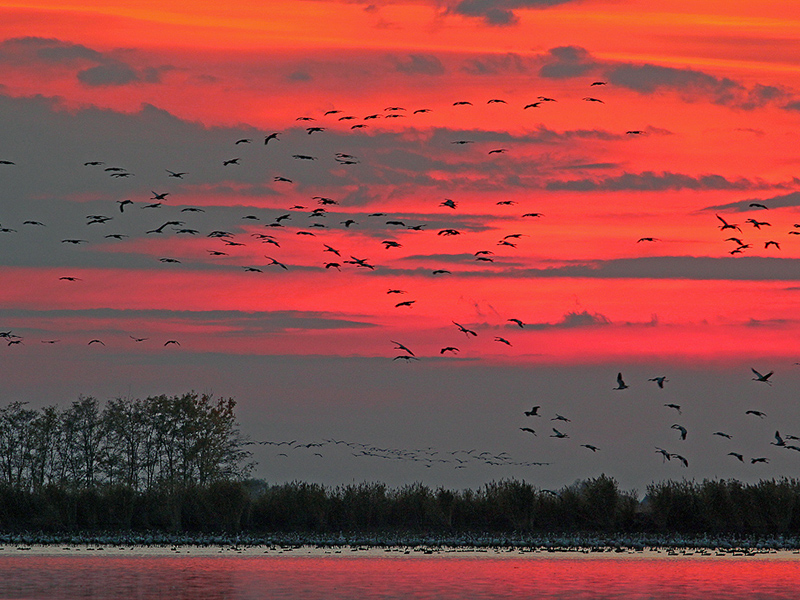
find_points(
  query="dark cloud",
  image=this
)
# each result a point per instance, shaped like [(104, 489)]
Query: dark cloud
[(691, 84), (299, 76), (574, 61), (49, 50), (419, 64), (94, 68), (651, 181), (781, 201), (500, 12), (235, 322), (745, 268), (567, 61), (108, 74), (574, 319), (702, 268)]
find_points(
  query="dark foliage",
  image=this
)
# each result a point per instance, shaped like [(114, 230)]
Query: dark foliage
[(178, 464)]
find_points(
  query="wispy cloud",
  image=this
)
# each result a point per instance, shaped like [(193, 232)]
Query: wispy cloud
[(651, 181)]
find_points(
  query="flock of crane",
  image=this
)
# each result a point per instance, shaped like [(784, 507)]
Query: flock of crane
[(252, 229)]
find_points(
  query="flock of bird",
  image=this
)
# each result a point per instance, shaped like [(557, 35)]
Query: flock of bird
[(270, 227), (428, 457)]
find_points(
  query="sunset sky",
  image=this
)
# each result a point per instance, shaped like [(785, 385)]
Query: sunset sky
[(590, 153)]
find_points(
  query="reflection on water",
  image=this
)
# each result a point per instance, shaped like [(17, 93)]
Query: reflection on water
[(115, 574)]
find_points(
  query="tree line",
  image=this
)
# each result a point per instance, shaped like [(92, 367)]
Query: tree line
[(179, 463), (93, 465)]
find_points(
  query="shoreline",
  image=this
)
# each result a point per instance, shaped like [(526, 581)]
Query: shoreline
[(405, 544), (394, 552)]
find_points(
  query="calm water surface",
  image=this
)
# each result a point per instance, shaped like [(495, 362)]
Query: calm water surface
[(116, 575)]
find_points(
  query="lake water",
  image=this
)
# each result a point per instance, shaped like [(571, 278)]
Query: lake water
[(314, 575)]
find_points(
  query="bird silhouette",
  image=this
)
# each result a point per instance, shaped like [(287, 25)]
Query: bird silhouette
[(399, 346), (659, 381), (682, 430), (725, 225), (464, 330), (756, 413), (621, 385), (275, 262), (762, 378)]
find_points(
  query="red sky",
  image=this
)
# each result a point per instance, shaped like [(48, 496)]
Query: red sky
[(696, 117)]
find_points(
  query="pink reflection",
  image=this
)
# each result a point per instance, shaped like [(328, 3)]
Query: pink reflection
[(394, 576)]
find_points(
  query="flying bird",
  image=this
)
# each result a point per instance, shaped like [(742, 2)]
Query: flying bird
[(400, 346), (680, 428), (621, 385), (659, 380), (684, 462), (756, 413), (464, 330), (275, 262), (762, 378), (534, 412), (725, 225)]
